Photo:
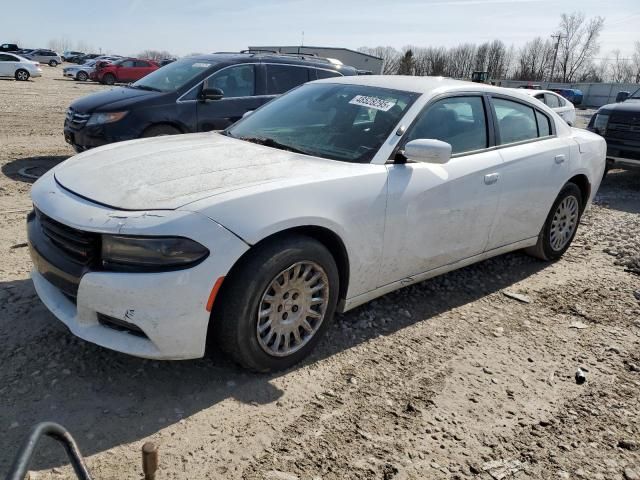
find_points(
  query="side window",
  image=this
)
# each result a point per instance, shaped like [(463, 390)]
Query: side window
[(282, 78), (516, 121), (327, 74), (236, 81), (544, 127), (6, 58), (128, 64), (459, 121), (551, 100), (540, 97), (140, 63)]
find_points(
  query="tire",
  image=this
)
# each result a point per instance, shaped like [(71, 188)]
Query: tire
[(108, 79), (22, 75), (53, 63), (561, 225), (82, 76), (244, 292), (160, 131)]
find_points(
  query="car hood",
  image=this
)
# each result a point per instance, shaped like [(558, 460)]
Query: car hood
[(166, 173), (102, 100), (630, 105)]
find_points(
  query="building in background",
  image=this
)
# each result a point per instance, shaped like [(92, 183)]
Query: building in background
[(361, 61)]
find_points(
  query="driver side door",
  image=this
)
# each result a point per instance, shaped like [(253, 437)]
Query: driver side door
[(440, 214)]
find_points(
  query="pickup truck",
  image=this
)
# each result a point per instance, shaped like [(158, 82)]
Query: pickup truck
[(619, 124)]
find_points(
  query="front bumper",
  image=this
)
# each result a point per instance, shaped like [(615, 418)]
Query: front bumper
[(85, 137), (622, 155), (167, 310)]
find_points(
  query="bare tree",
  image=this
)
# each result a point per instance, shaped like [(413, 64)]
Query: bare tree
[(155, 54), (620, 69), (389, 55), (59, 44), (534, 59), (635, 62), (406, 65), (578, 43)]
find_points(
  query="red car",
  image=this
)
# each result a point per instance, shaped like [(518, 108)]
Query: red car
[(123, 71)]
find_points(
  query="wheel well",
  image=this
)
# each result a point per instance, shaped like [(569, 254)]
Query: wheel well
[(326, 237), (585, 187)]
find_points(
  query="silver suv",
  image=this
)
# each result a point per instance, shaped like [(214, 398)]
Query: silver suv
[(49, 57)]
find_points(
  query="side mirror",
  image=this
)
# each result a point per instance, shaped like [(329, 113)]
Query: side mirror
[(428, 151), (247, 113), (622, 96), (210, 93)]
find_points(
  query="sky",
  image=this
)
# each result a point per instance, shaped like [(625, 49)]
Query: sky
[(128, 27)]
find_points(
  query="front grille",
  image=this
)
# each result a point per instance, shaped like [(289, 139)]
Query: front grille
[(624, 131), (82, 247), (626, 118), (76, 120)]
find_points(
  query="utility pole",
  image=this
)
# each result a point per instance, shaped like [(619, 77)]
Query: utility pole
[(555, 55)]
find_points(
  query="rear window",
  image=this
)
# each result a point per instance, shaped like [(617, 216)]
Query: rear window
[(327, 74), (516, 121)]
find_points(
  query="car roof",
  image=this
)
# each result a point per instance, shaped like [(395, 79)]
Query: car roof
[(268, 57), (533, 92), (424, 84)]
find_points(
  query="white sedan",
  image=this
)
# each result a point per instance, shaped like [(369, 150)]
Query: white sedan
[(563, 107), (20, 68), (337, 192)]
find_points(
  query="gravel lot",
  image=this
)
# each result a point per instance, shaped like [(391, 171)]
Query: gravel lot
[(451, 378)]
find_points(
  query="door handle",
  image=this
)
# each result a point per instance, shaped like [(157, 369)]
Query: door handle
[(560, 159), (491, 178)]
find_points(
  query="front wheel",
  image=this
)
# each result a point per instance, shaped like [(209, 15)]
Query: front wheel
[(561, 225), (82, 76), (108, 79), (277, 303)]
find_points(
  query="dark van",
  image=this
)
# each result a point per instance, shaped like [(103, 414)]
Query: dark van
[(195, 94)]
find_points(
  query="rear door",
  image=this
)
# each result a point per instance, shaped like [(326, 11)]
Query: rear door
[(125, 72), (238, 84), (534, 170), (7, 65), (142, 68)]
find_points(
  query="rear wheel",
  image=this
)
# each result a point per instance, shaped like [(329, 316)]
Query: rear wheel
[(560, 226), (53, 63), (160, 131), (22, 75), (82, 76), (276, 305), (109, 79)]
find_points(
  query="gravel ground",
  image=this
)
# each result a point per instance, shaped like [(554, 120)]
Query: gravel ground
[(456, 377)]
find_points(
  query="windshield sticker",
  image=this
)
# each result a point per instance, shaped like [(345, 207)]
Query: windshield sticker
[(201, 65), (372, 102)]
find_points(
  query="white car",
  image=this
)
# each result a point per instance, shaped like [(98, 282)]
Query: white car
[(563, 107), (337, 192), (20, 68), (48, 57), (80, 72)]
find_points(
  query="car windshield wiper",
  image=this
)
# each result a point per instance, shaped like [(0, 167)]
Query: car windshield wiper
[(270, 142), (145, 87)]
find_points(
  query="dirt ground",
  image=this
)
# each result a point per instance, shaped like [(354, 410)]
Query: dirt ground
[(451, 378)]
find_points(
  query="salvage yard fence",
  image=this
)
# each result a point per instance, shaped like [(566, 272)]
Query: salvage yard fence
[(595, 94)]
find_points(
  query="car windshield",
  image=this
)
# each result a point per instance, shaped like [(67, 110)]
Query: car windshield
[(636, 94), (175, 75), (339, 122)]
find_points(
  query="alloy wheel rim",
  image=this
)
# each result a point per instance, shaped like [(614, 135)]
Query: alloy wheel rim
[(22, 75), (292, 308), (564, 223)]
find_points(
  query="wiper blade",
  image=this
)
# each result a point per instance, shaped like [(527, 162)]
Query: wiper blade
[(270, 142), (145, 87)]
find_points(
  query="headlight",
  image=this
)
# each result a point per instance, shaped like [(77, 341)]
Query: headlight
[(600, 123), (150, 253), (106, 117)]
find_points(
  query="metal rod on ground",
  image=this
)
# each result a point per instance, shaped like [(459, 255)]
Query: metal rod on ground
[(149, 460)]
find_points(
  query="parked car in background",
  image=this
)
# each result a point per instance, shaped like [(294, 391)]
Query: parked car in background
[(124, 70), (86, 57), (619, 124), (558, 104), (48, 57), (9, 47), (166, 61), (336, 193), (80, 72), (69, 55), (20, 68), (572, 94), (196, 94)]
